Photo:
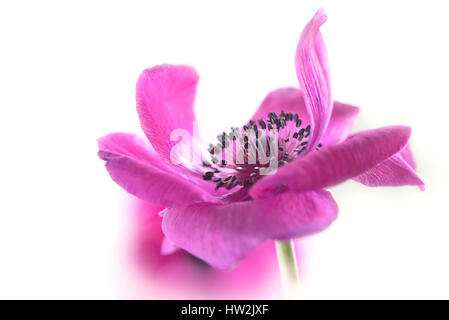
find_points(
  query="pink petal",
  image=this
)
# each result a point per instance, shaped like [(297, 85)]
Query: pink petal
[(134, 166), (395, 171), (165, 96), (341, 123), (287, 99), (335, 164), (313, 75), (407, 155), (168, 247), (222, 235), (342, 119)]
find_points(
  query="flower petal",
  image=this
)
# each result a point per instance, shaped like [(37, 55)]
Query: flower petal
[(313, 74), (342, 119), (165, 96), (287, 99), (341, 123), (398, 170), (167, 247), (222, 235), (334, 164), (407, 155), (133, 165)]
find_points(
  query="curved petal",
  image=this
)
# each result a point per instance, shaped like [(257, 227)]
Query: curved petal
[(396, 171), (407, 156), (312, 71), (133, 165), (131, 146), (165, 95), (335, 164), (222, 235), (287, 99), (341, 123)]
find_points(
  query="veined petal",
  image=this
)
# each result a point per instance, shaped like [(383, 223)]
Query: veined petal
[(133, 165), (398, 170), (341, 123), (222, 235), (165, 96), (313, 74), (335, 164)]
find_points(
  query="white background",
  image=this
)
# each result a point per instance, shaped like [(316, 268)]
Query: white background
[(67, 76)]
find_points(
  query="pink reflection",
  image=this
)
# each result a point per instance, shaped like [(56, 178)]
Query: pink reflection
[(182, 276)]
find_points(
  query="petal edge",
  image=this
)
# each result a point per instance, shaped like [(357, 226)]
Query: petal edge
[(312, 70), (165, 96), (335, 164), (222, 235), (132, 165)]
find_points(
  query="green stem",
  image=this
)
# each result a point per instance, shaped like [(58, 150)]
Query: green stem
[(287, 266)]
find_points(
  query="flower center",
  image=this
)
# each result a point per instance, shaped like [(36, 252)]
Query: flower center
[(244, 155)]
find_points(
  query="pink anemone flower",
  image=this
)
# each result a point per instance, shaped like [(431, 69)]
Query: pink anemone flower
[(220, 211)]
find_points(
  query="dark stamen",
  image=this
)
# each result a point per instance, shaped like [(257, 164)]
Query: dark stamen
[(219, 185), (291, 141), (307, 131), (208, 175), (206, 164)]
